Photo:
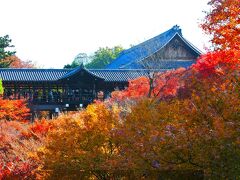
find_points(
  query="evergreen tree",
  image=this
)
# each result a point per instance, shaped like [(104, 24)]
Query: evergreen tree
[(5, 43)]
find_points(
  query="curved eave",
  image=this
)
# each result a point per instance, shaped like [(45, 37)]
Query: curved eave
[(194, 48), (76, 71)]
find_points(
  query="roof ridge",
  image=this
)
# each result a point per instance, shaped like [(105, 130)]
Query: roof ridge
[(153, 38)]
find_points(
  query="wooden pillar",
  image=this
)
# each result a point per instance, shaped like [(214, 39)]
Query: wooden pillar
[(34, 93), (15, 91), (29, 93), (32, 118), (57, 94), (94, 89), (50, 114), (44, 96)]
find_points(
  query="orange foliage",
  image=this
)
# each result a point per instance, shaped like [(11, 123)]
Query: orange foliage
[(41, 127), (164, 85), (137, 88), (200, 132), (81, 143), (213, 66), (218, 63), (13, 110), (38, 129), (195, 133), (18, 63), (222, 23), (15, 151)]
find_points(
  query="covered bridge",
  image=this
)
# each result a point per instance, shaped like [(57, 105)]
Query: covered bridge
[(69, 89), (63, 89)]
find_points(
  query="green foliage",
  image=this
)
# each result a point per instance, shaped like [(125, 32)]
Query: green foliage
[(68, 66), (5, 43), (104, 56), (1, 88), (101, 58)]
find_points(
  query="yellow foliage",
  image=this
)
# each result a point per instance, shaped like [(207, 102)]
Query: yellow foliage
[(80, 142)]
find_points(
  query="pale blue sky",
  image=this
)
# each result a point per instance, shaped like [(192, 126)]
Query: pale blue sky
[(53, 32)]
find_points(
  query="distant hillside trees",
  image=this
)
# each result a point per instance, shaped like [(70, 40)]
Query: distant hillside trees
[(100, 58)]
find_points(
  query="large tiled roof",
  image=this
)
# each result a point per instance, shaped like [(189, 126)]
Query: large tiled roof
[(129, 58), (41, 75)]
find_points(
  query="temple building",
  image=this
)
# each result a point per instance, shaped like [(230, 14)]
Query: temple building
[(169, 50), (56, 90)]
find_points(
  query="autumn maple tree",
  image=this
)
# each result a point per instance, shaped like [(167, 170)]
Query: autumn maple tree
[(19, 142), (222, 23), (197, 133), (164, 85), (18, 63), (80, 145), (13, 110)]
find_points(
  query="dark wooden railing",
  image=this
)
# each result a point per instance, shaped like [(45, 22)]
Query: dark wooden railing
[(56, 98)]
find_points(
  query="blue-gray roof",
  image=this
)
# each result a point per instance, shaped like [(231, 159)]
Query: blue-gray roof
[(51, 75), (129, 58), (32, 75), (121, 75), (79, 69)]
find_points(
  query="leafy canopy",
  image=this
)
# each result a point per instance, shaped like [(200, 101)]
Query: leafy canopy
[(101, 58), (222, 23), (104, 56), (13, 110), (18, 63), (5, 44)]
